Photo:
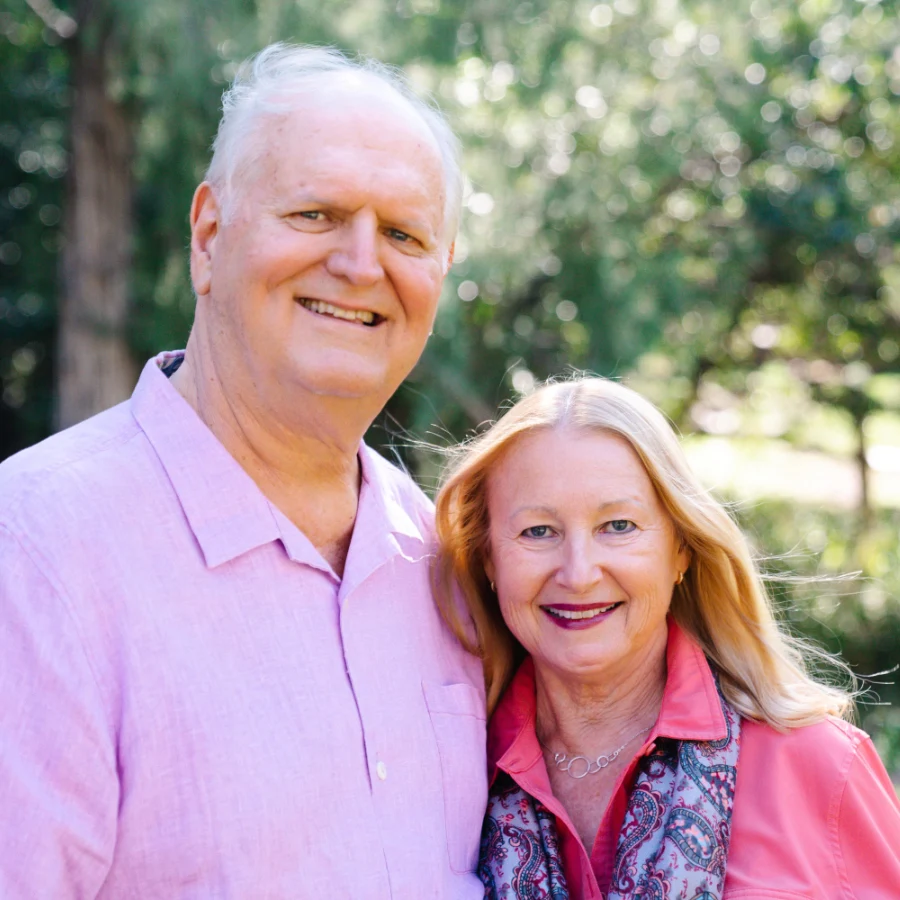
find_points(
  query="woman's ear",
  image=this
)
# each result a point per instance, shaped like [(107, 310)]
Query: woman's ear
[(489, 568), (684, 557)]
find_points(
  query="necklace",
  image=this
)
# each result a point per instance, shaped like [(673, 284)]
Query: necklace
[(587, 766)]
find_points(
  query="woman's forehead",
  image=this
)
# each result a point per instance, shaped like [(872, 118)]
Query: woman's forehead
[(570, 461)]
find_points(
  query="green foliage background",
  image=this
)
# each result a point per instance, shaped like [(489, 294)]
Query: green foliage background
[(702, 198)]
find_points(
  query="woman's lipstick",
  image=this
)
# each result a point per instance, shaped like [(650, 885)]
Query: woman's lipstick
[(575, 617)]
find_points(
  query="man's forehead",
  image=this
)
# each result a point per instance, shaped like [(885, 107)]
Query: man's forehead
[(351, 135), (355, 96), (327, 133)]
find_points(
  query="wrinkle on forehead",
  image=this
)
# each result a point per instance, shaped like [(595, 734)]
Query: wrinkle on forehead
[(377, 108)]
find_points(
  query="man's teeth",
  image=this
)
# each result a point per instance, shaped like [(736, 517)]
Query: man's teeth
[(580, 614), (351, 315)]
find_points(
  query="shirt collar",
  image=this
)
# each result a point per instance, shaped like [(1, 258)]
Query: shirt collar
[(384, 528), (386, 488), (228, 513), (690, 709)]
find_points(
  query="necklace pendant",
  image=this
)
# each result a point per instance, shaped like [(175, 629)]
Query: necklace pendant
[(584, 766), (604, 761), (581, 763)]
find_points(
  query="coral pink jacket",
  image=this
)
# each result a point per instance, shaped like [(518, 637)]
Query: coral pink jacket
[(815, 815)]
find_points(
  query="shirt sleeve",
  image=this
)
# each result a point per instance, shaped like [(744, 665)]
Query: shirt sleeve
[(58, 776), (868, 826)]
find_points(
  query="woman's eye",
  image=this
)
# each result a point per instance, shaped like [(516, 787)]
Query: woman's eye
[(619, 526), (537, 531)]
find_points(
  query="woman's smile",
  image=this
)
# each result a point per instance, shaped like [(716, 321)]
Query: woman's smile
[(584, 566), (567, 615)]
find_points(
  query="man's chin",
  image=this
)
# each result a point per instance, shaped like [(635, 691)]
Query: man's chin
[(367, 387)]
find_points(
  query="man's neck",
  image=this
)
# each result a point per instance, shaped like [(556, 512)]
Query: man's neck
[(307, 466)]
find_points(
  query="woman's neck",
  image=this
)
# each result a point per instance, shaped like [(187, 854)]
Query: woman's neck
[(593, 718)]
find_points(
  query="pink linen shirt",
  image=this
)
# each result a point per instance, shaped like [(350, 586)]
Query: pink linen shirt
[(815, 814), (193, 705)]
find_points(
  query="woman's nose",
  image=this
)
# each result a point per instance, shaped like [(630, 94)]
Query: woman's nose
[(580, 567)]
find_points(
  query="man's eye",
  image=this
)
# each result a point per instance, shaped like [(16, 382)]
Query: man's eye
[(401, 236), (619, 526), (537, 531), (312, 215)]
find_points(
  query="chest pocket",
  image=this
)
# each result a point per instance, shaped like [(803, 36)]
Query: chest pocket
[(458, 719)]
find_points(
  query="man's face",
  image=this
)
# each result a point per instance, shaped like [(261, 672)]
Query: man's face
[(325, 274)]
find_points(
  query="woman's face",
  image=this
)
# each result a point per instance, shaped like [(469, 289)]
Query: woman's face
[(583, 555)]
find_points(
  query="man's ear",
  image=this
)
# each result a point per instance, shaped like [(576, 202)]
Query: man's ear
[(451, 250), (205, 220)]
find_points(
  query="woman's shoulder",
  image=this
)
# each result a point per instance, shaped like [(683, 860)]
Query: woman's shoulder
[(820, 757), (809, 805), (831, 739)]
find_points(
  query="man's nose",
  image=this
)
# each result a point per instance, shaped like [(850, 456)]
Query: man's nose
[(580, 567), (356, 256)]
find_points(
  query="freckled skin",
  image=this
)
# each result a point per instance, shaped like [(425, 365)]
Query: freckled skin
[(575, 520)]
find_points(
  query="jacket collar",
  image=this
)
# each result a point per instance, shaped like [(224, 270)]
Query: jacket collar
[(227, 512), (690, 711)]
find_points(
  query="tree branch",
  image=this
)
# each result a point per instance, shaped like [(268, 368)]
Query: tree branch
[(54, 18)]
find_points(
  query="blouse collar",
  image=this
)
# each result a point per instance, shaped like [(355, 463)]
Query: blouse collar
[(690, 711)]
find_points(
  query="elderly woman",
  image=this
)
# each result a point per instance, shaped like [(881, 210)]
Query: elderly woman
[(654, 733)]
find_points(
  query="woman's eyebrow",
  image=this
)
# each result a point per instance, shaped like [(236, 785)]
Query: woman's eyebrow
[(547, 510), (622, 501), (552, 511)]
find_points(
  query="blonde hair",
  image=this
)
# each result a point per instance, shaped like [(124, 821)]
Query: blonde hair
[(722, 603)]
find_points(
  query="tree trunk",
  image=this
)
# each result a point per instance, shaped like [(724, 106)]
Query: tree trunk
[(95, 368), (862, 464)]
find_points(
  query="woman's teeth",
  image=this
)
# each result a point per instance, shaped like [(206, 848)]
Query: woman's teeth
[(580, 614), (350, 315)]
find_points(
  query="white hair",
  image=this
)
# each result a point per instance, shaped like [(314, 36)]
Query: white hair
[(271, 82)]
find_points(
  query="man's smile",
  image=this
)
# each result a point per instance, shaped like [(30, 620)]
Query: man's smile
[(364, 316)]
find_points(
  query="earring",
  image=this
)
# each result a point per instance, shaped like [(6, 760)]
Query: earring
[(493, 587), (680, 578)]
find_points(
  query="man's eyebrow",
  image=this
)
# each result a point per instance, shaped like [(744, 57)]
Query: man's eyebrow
[(308, 197), (418, 226), (413, 225)]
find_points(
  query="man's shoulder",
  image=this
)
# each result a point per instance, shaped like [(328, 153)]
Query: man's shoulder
[(74, 463)]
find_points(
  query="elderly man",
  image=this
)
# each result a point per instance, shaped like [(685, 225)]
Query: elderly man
[(223, 674)]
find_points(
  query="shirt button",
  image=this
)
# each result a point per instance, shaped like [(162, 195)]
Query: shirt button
[(381, 771)]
